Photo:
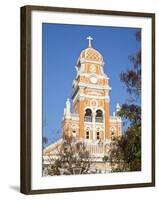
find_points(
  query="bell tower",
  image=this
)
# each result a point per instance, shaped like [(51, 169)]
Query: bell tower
[(90, 95), (86, 118)]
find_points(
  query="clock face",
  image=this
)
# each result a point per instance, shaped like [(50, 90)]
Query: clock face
[(93, 79)]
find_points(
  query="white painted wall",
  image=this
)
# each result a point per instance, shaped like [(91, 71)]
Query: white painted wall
[(9, 99)]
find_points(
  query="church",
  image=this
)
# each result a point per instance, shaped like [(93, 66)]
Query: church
[(87, 117)]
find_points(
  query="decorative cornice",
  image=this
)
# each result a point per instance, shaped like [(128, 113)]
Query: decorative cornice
[(89, 74), (83, 96), (95, 97), (82, 60), (93, 86), (115, 118)]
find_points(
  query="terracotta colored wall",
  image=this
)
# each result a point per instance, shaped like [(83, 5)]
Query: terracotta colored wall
[(81, 118), (107, 121)]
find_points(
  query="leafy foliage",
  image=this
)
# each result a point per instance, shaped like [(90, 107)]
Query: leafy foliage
[(72, 155), (132, 77), (126, 151), (105, 158)]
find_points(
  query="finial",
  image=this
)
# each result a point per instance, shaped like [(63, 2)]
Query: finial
[(67, 108), (89, 38), (118, 107), (67, 101)]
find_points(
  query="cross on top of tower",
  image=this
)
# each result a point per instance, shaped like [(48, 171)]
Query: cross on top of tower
[(89, 38)]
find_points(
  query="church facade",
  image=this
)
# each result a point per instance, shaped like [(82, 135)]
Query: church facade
[(88, 118)]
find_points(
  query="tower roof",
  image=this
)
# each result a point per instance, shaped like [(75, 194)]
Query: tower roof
[(90, 53)]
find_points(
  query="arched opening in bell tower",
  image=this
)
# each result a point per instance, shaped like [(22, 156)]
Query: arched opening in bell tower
[(88, 115), (99, 116)]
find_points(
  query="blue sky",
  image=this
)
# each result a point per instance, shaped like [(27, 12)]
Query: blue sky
[(62, 45)]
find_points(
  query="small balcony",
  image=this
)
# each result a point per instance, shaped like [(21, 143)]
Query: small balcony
[(99, 119), (88, 118)]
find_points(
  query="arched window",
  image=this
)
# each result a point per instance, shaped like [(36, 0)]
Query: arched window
[(88, 115), (87, 134), (98, 135), (99, 116)]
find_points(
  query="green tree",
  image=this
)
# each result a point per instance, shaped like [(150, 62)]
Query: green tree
[(126, 150), (132, 77), (73, 158)]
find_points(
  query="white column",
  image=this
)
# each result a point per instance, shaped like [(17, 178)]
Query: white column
[(67, 110), (118, 107), (94, 131)]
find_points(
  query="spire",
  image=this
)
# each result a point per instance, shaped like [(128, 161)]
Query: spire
[(89, 38), (67, 109), (118, 108)]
